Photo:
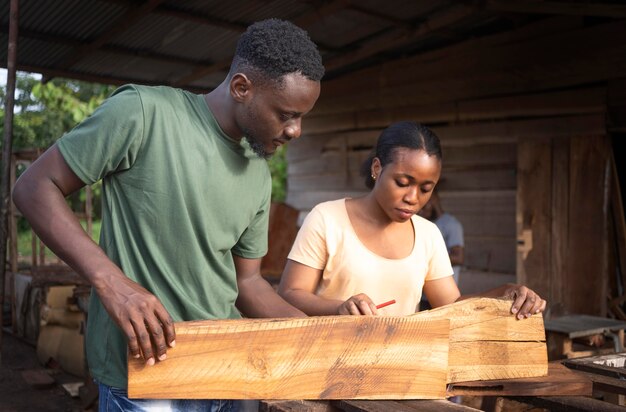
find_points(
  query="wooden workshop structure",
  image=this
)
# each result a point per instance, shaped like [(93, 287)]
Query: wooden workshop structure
[(528, 98)]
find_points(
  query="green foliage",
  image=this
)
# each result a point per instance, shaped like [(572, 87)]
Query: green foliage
[(278, 168), (46, 111), (24, 238)]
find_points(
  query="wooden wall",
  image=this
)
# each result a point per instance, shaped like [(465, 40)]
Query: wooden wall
[(485, 98), (562, 206)]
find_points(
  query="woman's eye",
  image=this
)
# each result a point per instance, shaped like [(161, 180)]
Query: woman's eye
[(401, 183)]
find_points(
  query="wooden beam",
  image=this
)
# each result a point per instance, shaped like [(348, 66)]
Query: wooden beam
[(7, 144), (346, 357), (114, 80), (401, 406), (487, 342), (122, 51), (168, 10), (616, 101), (327, 8), (399, 37), (557, 276), (597, 9), (594, 54), (381, 16), (302, 21), (533, 219), (588, 167), (200, 72), (333, 357), (463, 135), (127, 20), (579, 101), (569, 403), (559, 381)]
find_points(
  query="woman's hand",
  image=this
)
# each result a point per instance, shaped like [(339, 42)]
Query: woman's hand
[(526, 301), (360, 304)]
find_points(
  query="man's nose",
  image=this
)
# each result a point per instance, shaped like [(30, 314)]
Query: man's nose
[(294, 129)]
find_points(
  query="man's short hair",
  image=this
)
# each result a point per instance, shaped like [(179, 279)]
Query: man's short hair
[(273, 48)]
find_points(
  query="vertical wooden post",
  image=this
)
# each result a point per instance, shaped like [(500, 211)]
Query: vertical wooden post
[(7, 148), (13, 251), (13, 247), (534, 204)]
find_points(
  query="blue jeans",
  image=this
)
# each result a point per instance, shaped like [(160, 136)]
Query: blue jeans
[(116, 400)]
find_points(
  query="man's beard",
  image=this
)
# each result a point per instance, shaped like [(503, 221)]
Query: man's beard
[(257, 147)]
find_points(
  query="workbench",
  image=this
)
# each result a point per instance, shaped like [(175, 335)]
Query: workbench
[(587, 388), (562, 332)]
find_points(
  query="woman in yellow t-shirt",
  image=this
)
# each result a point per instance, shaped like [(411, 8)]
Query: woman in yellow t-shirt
[(352, 254)]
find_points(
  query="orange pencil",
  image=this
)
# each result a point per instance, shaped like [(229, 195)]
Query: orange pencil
[(382, 305)]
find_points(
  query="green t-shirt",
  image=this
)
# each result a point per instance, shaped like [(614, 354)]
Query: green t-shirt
[(179, 198)]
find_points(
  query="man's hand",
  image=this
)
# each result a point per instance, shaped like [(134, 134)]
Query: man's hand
[(140, 315), (360, 304)]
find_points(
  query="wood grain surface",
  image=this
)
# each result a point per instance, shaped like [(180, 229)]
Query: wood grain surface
[(560, 381), (487, 342), (333, 357)]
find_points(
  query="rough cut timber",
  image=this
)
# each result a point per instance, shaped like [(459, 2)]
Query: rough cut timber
[(487, 342), (560, 381), (333, 357)]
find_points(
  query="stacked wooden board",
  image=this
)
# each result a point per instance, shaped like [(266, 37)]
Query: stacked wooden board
[(487, 342), (345, 357)]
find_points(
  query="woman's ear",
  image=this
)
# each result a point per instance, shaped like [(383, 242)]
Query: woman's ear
[(376, 168), (240, 87)]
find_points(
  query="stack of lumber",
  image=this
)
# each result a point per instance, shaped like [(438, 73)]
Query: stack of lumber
[(487, 342), (345, 357)]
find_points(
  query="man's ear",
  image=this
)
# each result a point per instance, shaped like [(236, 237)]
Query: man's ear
[(240, 87)]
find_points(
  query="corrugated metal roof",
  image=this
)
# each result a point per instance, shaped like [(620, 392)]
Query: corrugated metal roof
[(116, 41)]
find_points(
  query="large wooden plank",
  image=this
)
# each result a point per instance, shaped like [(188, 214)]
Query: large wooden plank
[(363, 406), (559, 381), (587, 234), (487, 342), (334, 357), (484, 360), (533, 217), (401, 406), (295, 406), (559, 276), (570, 404)]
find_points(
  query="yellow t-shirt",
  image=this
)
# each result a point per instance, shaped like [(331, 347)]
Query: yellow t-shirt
[(327, 241)]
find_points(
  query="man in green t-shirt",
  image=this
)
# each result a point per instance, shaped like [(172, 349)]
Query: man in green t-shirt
[(186, 196)]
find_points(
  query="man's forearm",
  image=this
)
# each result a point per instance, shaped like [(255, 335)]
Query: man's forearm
[(43, 204)]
